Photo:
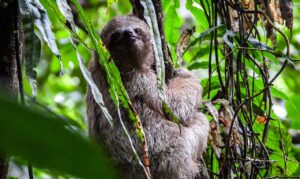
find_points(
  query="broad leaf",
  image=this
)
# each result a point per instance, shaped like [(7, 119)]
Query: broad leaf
[(197, 12), (48, 143), (197, 65), (172, 21), (279, 94)]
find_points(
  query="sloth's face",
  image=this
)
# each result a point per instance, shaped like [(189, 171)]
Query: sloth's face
[(128, 39)]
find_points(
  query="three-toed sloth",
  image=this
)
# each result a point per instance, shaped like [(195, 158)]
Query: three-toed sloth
[(173, 153)]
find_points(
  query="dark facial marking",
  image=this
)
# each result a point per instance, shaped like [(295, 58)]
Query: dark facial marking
[(138, 31), (114, 39), (115, 36)]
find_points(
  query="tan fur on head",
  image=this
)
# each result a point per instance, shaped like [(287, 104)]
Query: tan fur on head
[(128, 40), (172, 154)]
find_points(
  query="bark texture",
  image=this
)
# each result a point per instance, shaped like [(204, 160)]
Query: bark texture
[(9, 51)]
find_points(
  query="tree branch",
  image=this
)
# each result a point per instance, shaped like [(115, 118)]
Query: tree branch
[(137, 8)]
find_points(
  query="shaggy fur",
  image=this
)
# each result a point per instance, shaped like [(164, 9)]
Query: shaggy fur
[(172, 154)]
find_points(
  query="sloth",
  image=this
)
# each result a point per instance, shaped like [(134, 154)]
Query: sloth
[(173, 152)]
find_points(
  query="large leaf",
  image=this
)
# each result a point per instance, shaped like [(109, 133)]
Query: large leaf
[(48, 143), (172, 20), (279, 142), (197, 12), (283, 166), (293, 113), (197, 65), (279, 94)]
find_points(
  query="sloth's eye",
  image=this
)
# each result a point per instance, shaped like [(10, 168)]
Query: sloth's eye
[(115, 36), (138, 31)]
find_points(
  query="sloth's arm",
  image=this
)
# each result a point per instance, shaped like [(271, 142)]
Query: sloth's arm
[(184, 94)]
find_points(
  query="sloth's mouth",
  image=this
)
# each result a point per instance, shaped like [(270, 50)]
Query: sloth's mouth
[(129, 39), (132, 37)]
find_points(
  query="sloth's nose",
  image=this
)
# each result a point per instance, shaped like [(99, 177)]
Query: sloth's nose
[(128, 33)]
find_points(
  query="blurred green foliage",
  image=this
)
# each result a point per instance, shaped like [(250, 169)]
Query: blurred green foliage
[(51, 143)]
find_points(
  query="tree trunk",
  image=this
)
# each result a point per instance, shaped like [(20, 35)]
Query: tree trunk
[(10, 42)]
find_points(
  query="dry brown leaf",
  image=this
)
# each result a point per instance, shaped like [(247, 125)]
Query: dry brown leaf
[(234, 19), (215, 138), (275, 11), (248, 5), (286, 9), (226, 122), (270, 10), (261, 119), (183, 43)]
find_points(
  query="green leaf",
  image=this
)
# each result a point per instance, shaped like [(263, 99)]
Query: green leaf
[(252, 66), (293, 113), (215, 84), (48, 143), (172, 21), (205, 34), (32, 54), (197, 65), (197, 12), (110, 2), (279, 94), (283, 167), (201, 52), (271, 57)]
